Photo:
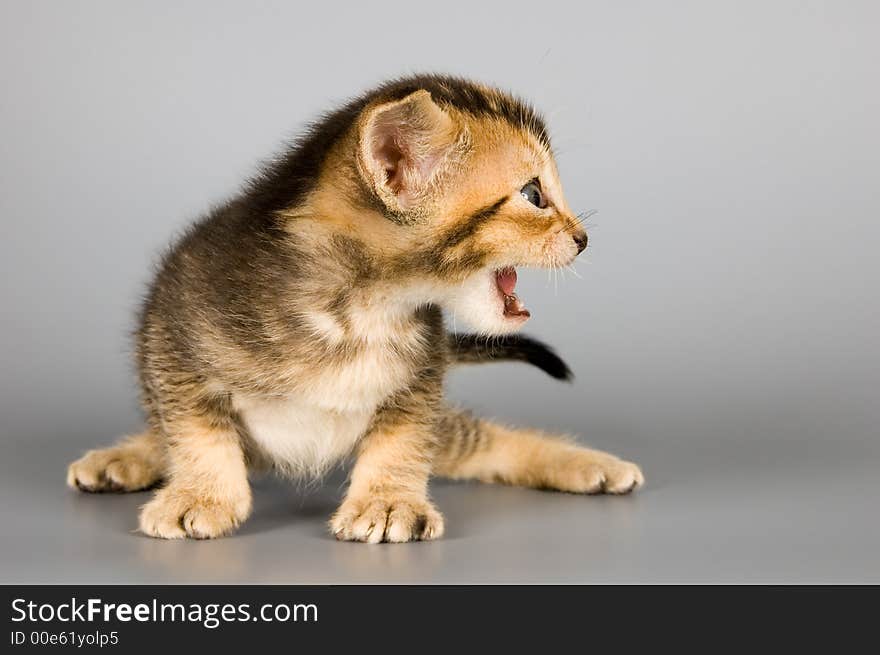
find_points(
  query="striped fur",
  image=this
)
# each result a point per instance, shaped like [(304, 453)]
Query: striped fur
[(303, 321)]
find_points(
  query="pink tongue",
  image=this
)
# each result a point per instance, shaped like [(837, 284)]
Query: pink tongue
[(506, 280)]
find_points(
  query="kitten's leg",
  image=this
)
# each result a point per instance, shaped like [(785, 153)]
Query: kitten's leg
[(388, 496), (475, 448), (135, 463), (207, 494)]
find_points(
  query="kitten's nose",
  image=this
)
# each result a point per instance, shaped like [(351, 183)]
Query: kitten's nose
[(580, 239)]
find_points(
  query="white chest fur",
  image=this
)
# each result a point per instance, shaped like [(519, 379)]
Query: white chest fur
[(300, 437), (327, 412)]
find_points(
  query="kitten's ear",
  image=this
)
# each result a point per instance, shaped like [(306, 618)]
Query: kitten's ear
[(403, 145)]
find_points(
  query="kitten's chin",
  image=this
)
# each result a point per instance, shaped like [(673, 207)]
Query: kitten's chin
[(488, 303)]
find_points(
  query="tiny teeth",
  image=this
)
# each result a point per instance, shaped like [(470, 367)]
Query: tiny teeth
[(513, 307)]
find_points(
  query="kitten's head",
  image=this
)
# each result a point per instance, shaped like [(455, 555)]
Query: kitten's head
[(463, 187)]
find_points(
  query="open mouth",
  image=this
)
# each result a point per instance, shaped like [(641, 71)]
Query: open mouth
[(505, 280)]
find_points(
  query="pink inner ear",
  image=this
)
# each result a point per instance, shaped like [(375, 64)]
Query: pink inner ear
[(403, 141), (389, 154)]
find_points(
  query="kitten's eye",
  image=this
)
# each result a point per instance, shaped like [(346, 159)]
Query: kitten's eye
[(532, 193)]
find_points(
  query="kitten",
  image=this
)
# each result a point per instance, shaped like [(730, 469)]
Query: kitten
[(302, 322)]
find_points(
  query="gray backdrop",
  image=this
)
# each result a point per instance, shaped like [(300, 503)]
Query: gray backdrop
[(723, 329)]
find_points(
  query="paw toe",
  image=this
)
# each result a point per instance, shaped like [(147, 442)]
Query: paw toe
[(624, 478), (369, 527), (87, 475), (207, 522), (129, 475), (157, 521)]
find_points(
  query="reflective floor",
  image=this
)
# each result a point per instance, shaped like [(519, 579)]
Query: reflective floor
[(772, 510), (722, 324)]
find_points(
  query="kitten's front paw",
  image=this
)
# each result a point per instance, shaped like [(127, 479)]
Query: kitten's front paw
[(387, 519), (175, 514)]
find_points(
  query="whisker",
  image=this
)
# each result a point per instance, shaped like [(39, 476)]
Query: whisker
[(585, 216), (555, 278), (589, 213)]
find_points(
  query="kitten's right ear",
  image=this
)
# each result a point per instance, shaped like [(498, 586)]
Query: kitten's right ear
[(402, 147)]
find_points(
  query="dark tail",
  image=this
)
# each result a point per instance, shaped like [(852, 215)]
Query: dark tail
[(472, 348)]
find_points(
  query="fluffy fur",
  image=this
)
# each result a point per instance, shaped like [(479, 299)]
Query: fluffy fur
[(302, 321)]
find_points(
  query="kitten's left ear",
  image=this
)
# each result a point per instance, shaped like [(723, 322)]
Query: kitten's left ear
[(402, 147)]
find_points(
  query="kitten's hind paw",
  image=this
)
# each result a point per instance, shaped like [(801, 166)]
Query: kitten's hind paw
[(116, 469), (594, 472)]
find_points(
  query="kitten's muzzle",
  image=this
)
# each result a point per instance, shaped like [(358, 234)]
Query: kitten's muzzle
[(580, 240)]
